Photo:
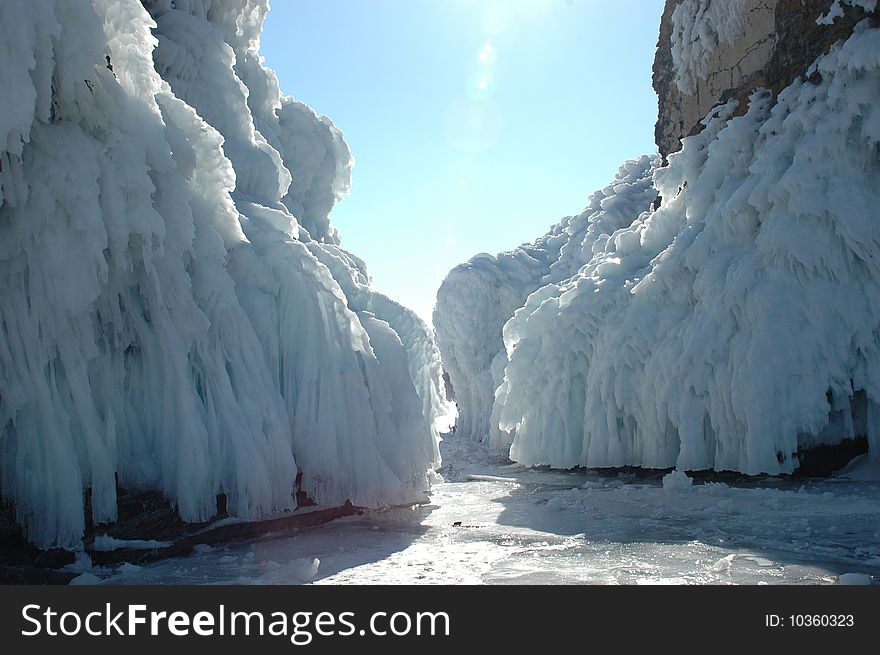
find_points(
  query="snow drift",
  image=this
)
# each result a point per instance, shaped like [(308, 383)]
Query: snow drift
[(176, 313), (730, 328)]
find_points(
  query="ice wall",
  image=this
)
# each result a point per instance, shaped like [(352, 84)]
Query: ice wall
[(477, 298), (738, 323), (175, 311)]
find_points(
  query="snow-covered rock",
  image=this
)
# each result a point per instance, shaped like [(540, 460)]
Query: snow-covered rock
[(176, 313), (711, 51), (698, 28), (477, 298), (731, 328)]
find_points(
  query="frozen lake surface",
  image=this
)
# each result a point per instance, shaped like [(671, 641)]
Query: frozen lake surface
[(490, 522)]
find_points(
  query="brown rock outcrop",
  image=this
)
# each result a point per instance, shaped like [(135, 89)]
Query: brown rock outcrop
[(779, 41)]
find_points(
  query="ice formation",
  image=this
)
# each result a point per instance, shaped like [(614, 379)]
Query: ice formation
[(698, 27), (176, 311), (728, 329), (477, 298)]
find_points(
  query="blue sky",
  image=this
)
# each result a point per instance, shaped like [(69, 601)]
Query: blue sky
[(475, 124)]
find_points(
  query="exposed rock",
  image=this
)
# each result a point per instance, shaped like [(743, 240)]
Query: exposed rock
[(146, 516), (447, 387), (826, 459), (779, 41), (24, 563)]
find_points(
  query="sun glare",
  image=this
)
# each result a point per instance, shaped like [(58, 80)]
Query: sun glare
[(501, 16)]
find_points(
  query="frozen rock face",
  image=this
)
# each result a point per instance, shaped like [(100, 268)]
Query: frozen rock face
[(712, 51), (477, 298), (734, 326), (176, 314)]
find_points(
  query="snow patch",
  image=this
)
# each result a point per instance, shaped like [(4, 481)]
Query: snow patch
[(836, 10), (863, 468), (85, 579)]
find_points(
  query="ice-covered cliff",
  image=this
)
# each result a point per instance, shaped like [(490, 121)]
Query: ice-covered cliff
[(732, 325), (478, 297), (176, 313), (713, 51)]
